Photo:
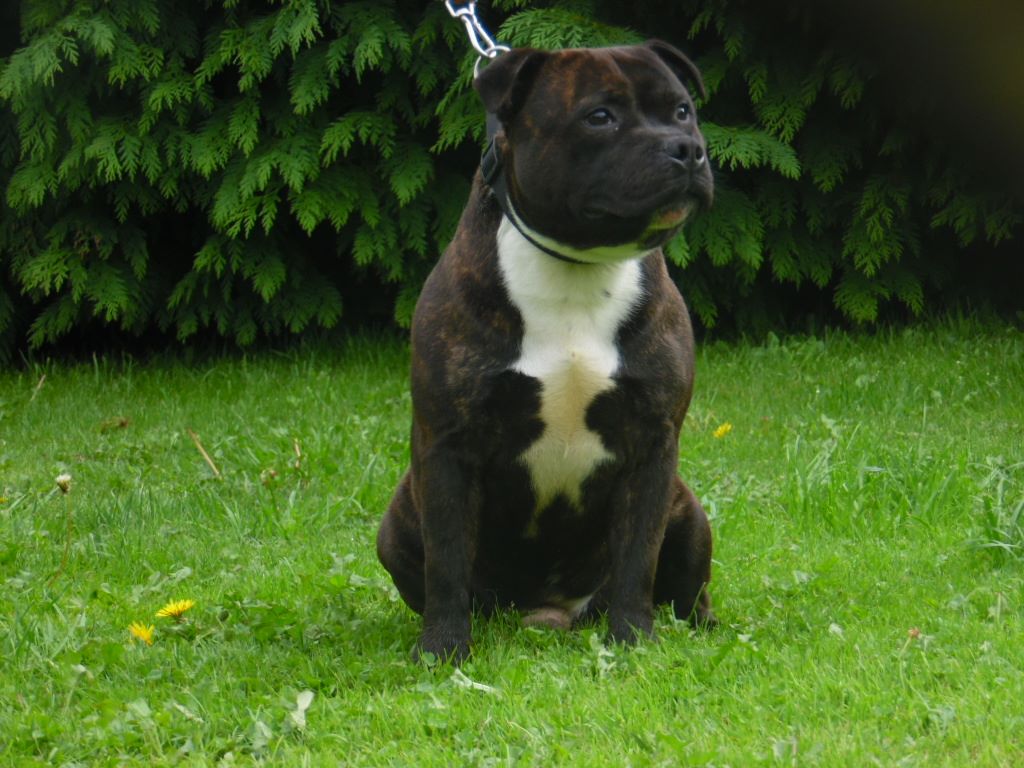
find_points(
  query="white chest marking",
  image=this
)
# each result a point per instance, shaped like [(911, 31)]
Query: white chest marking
[(571, 314)]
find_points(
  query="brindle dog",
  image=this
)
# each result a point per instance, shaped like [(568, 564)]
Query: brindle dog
[(553, 362)]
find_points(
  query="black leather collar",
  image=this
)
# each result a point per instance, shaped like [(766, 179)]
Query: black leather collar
[(493, 171)]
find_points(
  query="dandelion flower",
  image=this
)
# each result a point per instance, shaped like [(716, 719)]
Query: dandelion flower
[(63, 482), (140, 631), (723, 430), (175, 609)]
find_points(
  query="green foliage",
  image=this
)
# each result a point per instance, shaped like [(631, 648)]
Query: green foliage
[(216, 168), (250, 168)]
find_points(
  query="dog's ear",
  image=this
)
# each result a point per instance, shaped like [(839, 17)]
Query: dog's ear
[(677, 61), (503, 84)]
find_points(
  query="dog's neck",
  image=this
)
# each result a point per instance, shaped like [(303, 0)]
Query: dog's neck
[(542, 244)]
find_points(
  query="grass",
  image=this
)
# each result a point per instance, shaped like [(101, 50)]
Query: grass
[(869, 571)]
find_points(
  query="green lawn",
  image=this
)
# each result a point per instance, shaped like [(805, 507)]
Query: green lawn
[(867, 507)]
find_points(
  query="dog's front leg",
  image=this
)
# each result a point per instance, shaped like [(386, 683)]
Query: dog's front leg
[(637, 533), (449, 515)]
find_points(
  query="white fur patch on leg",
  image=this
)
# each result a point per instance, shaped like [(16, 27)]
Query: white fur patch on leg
[(550, 617)]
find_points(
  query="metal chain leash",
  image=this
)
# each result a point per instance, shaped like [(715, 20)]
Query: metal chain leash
[(479, 37)]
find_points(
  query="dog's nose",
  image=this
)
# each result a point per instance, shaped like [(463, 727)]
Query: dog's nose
[(690, 153)]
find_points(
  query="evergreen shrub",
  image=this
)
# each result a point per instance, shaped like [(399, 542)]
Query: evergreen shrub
[(250, 169)]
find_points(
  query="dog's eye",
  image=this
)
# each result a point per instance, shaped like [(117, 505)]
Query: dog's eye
[(599, 118), (683, 112)]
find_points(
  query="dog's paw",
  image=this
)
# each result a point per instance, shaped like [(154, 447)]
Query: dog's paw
[(703, 620), (437, 646), (628, 628), (549, 617)]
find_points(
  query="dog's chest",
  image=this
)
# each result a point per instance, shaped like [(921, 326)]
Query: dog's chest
[(571, 317)]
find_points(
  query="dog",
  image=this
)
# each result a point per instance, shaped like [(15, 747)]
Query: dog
[(552, 361)]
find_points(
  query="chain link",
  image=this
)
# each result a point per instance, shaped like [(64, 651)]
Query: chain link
[(479, 38)]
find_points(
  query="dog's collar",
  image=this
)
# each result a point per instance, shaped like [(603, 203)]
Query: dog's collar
[(493, 171)]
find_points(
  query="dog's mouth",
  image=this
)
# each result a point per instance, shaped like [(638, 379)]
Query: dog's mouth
[(672, 216), (667, 221), (665, 216), (648, 230)]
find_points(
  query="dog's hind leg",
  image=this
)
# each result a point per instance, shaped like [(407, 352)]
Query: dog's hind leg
[(684, 562), (400, 546)]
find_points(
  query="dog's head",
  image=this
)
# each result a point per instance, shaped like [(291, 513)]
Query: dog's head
[(600, 145)]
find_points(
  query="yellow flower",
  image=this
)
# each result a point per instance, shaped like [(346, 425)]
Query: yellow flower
[(140, 631), (175, 609), (723, 430)]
